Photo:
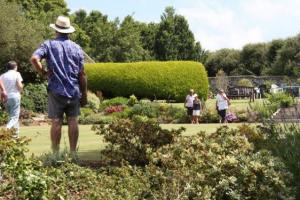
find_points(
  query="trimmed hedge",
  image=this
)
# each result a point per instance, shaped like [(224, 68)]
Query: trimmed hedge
[(154, 80)]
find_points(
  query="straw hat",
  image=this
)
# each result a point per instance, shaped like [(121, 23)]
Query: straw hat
[(63, 25)]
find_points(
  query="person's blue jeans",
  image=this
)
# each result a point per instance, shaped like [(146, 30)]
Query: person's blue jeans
[(13, 109)]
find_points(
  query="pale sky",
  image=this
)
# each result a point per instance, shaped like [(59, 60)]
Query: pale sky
[(215, 23)]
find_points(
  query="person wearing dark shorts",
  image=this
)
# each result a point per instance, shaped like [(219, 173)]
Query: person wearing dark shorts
[(66, 81), (189, 111), (58, 105), (189, 101), (222, 104)]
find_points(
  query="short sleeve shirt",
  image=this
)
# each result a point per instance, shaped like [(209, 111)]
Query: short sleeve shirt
[(9, 80), (189, 101), (221, 102), (65, 61)]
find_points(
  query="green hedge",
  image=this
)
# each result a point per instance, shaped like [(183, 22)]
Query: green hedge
[(154, 80)]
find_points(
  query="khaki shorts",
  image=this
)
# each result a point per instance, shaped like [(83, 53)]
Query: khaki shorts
[(59, 105)]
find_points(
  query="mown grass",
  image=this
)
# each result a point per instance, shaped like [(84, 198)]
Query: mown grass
[(236, 104), (90, 144)]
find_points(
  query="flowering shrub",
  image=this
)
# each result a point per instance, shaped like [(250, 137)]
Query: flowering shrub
[(113, 109)]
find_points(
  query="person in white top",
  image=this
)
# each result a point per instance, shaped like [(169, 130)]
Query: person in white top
[(188, 104), (12, 81), (222, 104)]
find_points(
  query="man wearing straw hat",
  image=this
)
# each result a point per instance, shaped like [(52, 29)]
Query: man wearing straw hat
[(66, 81)]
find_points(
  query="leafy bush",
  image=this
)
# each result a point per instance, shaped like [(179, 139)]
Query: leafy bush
[(283, 140), (264, 110), (245, 83), (84, 112), (3, 116), (146, 109), (26, 177), (132, 100), (209, 116), (97, 118), (222, 165), (177, 114), (113, 109), (93, 101), (134, 141), (153, 80), (35, 98), (282, 100), (113, 102), (242, 115)]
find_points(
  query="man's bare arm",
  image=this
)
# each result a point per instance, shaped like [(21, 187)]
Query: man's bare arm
[(20, 86), (83, 88), (36, 62)]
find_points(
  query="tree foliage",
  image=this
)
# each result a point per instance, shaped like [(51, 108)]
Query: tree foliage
[(226, 59), (18, 38), (174, 40)]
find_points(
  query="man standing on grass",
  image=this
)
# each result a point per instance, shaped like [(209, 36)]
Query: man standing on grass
[(12, 82), (66, 81)]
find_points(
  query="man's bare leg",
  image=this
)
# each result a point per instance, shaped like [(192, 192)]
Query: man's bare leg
[(73, 133), (55, 133)]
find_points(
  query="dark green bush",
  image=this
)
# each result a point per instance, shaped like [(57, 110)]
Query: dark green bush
[(153, 80), (35, 98)]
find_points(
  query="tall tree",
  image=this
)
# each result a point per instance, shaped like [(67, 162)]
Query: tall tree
[(273, 51), (80, 36), (254, 58), (35, 9), (128, 46), (288, 58), (227, 60), (148, 34), (19, 36), (174, 40), (101, 35)]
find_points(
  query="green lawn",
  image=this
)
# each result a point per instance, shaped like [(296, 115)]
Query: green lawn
[(236, 104), (89, 143)]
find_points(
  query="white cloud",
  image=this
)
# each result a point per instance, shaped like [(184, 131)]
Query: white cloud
[(219, 24), (272, 10)]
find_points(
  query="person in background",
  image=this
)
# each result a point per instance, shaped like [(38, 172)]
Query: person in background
[(196, 109), (12, 82), (222, 104), (189, 102), (67, 87)]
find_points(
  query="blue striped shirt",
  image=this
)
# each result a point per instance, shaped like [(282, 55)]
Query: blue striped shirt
[(65, 61)]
